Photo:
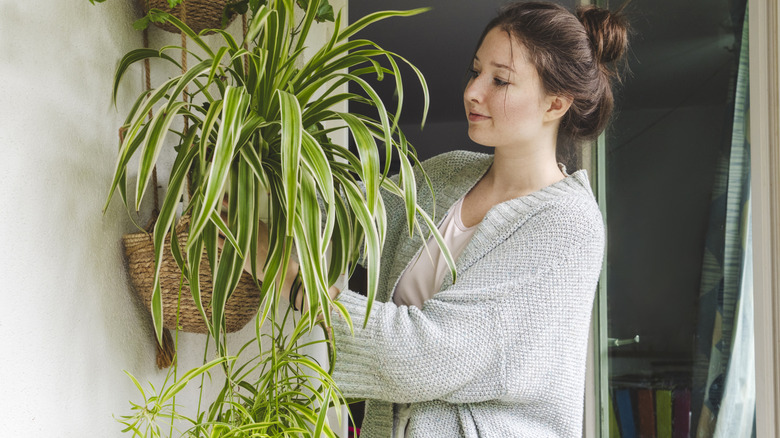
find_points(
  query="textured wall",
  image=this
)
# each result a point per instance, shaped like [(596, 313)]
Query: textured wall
[(68, 322)]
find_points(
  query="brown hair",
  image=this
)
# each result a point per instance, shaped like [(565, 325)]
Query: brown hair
[(574, 57)]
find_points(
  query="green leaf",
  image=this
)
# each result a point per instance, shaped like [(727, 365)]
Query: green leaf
[(152, 145), (136, 120), (120, 176), (194, 256), (176, 190), (216, 64), (234, 110), (310, 13), (135, 382), (325, 12), (186, 30), (373, 18), (292, 126), (257, 24), (243, 210), (222, 226), (373, 246), (141, 23), (409, 185), (369, 157), (161, 228), (182, 381), (207, 131), (322, 416), (318, 165), (311, 247)]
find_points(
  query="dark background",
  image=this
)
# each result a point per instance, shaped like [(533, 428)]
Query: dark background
[(672, 118)]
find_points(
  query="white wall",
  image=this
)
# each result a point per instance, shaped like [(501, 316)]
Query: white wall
[(69, 323)]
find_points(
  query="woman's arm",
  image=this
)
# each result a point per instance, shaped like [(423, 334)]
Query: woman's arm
[(405, 354), (516, 318)]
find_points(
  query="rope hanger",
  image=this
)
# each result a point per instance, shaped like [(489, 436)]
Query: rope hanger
[(165, 353)]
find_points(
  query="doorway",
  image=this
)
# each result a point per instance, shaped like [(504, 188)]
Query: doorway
[(676, 196)]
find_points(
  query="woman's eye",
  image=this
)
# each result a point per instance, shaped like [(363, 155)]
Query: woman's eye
[(473, 73), (500, 82)]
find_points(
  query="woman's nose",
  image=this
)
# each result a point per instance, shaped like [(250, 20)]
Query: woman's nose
[(473, 91)]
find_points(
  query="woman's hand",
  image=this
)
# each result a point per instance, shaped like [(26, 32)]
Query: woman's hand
[(300, 295)]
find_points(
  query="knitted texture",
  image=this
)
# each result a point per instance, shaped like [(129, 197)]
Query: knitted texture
[(499, 353)]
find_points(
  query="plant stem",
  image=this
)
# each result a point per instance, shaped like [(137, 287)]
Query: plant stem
[(176, 350), (203, 377)]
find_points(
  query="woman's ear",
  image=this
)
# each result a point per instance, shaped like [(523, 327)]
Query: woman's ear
[(557, 107)]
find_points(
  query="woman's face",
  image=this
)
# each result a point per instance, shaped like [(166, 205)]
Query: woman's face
[(504, 99)]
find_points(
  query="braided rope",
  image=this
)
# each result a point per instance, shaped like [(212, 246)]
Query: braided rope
[(184, 94), (246, 43), (148, 84)]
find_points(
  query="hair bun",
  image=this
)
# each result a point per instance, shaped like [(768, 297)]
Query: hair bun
[(608, 32)]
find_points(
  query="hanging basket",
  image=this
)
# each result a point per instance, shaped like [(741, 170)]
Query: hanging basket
[(197, 14), (139, 251)]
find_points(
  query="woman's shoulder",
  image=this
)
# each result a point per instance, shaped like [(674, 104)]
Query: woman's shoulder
[(572, 218), (456, 160), (567, 207)]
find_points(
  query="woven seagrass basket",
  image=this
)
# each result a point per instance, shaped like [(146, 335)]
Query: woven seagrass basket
[(139, 251), (197, 14)]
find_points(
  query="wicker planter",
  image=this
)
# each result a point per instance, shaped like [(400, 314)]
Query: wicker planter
[(197, 14), (139, 252)]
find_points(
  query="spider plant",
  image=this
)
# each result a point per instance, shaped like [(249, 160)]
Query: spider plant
[(259, 122), (277, 392)]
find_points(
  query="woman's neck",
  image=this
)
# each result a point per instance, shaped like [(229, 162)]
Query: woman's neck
[(517, 173)]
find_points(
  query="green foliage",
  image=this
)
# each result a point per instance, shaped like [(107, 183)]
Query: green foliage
[(154, 16), (324, 11), (274, 393), (260, 119), (160, 405)]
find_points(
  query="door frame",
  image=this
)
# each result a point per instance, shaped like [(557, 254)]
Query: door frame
[(765, 186), (764, 40)]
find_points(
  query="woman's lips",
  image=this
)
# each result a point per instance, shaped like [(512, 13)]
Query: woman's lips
[(476, 117)]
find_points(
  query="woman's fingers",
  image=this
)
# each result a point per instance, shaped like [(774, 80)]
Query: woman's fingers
[(220, 240), (223, 212)]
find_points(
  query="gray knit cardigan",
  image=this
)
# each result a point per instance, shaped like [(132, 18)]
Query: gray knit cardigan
[(500, 353)]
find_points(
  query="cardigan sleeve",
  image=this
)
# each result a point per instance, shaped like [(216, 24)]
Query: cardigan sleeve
[(406, 354)]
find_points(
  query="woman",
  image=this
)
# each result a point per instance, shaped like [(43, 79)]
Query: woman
[(500, 353)]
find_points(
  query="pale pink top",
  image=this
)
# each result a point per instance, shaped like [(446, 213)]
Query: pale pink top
[(424, 277)]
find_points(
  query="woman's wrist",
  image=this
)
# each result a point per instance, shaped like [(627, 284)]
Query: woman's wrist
[(296, 294), (334, 292)]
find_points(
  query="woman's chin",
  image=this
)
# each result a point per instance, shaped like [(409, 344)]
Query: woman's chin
[(480, 140)]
